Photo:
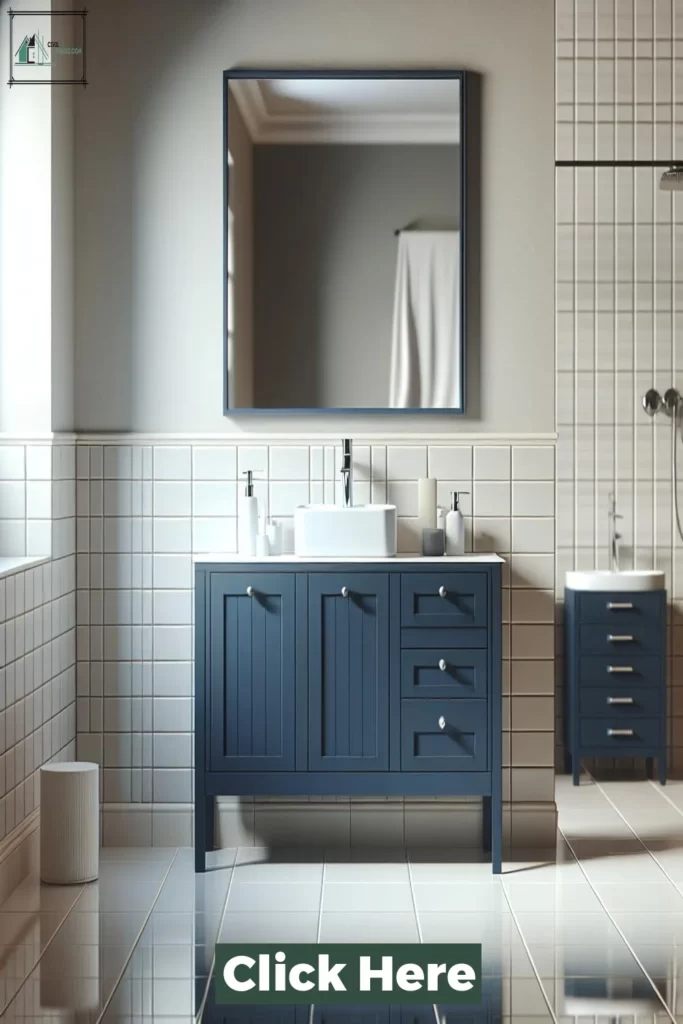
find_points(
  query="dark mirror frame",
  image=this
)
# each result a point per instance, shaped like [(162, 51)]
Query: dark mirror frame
[(356, 73)]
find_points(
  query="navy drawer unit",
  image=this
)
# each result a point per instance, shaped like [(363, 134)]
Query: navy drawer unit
[(349, 679), (615, 677)]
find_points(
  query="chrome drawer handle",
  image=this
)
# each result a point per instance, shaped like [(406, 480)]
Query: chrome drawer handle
[(442, 723), (442, 592), (620, 700), (442, 665), (619, 639), (250, 591), (620, 668), (620, 732), (618, 606), (344, 591)]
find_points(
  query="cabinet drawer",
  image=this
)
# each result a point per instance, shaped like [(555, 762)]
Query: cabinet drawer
[(619, 701), (641, 638), (606, 671), (444, 672), (621, 610), (443, 599), (614, 733), (444, 735)]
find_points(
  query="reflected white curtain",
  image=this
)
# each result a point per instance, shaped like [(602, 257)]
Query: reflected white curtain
[(425, 350)]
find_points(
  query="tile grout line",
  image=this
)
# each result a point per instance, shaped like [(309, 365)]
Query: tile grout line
[(614, 923), (128, 959), (233, 868), (419, 925), (528, 953)]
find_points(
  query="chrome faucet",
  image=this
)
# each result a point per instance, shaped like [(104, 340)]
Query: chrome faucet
[(614, 536), (347, 472)]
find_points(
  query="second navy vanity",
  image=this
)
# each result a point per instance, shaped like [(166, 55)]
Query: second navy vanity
[(376, 677)]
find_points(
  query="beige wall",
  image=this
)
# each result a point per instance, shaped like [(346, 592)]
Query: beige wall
[(149, 196)]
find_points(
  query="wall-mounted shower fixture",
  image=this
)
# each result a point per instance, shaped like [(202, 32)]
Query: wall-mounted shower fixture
[(672, 405), (672, 180)]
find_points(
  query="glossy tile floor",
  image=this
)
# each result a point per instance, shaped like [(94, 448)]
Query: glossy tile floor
[(593, 931)]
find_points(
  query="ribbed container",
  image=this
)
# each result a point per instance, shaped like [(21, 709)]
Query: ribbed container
[(69, 822)]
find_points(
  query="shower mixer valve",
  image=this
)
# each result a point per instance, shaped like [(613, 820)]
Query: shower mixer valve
[(654, 403), (672, 404)]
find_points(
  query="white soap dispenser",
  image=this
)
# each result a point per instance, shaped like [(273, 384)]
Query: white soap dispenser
[(247, 524), (455, 526)]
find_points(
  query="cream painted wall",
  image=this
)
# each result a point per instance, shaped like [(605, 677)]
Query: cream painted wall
[(149, 197)]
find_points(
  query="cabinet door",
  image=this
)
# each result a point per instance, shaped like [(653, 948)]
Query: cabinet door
[(252, 676), (348, 672)]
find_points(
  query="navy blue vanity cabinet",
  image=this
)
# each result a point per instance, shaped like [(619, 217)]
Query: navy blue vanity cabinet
[(348, 679), (615, 677)]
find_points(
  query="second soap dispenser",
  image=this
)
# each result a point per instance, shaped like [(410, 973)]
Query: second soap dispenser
[(455, 526), (247, 523)]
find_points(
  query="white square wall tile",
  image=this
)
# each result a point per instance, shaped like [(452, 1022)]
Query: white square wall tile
[(39, 462), (39, 499), (406, 462), (285, 496), (12, 499), (214, 534), (12, 462), (172, 571), (533, 498), (213, 498), (172, 607), (491, 462), (289, 462), (450, 462), (172, 535), (214, 463), (491, 499), (172, 462), (171, 498), (533, 536)]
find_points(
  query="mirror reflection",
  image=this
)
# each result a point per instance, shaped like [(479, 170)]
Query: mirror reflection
[(344, 243)]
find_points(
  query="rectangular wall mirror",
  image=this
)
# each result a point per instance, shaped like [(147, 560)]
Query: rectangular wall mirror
[(344, 241)]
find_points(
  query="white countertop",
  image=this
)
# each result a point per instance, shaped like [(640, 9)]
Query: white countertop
[(297, 559)]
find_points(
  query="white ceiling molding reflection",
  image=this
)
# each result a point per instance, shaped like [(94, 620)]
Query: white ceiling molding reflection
[(276, 119)]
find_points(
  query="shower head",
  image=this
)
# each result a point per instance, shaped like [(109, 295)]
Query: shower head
[(672, 180)]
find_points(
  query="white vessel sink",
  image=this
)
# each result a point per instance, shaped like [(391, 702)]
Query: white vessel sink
[(360, 531), (631, 579)]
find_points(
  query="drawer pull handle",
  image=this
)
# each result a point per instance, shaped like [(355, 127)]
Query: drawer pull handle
[(442, 592), (619, 606), (442, 722), (250, 591), (442, 665), (620, 668), (620, 700), (620, 732), (344, 591), (619, 639)]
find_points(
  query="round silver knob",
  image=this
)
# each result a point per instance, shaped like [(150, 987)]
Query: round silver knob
[(442, 665), (442, 723), (345, 591), (442, 591), (250, 591)]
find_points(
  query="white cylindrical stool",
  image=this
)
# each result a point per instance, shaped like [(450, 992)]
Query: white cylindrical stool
[(69, 822)]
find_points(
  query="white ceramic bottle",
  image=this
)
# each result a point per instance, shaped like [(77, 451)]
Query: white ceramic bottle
[(247, 524), (455, 526)]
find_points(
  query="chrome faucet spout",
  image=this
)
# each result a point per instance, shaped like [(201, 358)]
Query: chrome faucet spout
[(614, 535), (347, 472)]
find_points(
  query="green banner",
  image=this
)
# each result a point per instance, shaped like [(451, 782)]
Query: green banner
[(338, 973)]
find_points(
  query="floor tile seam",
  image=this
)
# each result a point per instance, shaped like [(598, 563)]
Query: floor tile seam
[(136, 941), (233, 872), (662, 793), (620, 931), (7, 1005), (641, 840), (534, 968)]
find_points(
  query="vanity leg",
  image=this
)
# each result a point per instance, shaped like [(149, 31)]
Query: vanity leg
[(486, 822), (567, 762), (210, 823), (661, 766), (496, 825), (200, 833), (576, 770)]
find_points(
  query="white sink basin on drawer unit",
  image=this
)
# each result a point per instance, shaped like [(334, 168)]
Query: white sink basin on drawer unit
[(362, 531), (631, 579)]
